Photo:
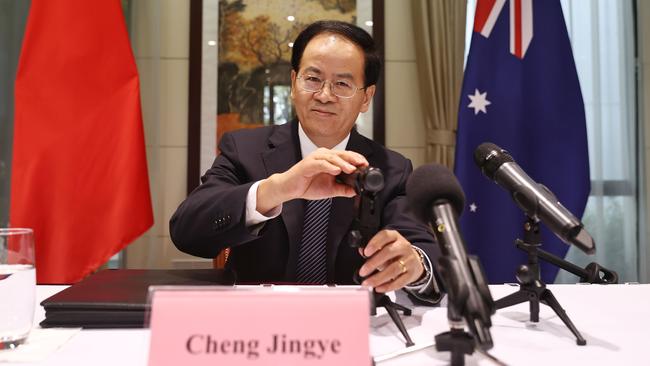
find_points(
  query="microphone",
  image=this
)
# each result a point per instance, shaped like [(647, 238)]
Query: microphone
[(436, 198), (363, 179), (537, 201)]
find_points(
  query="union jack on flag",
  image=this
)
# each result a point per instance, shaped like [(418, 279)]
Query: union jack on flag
[(521, 92), (521, 22)]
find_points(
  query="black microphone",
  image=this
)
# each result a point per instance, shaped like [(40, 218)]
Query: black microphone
[(436, 198), (363, 179), (537, 201)]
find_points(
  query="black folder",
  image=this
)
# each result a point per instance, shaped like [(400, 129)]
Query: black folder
[(117, 298)]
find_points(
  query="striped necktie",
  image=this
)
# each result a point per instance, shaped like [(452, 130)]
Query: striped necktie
[(312, 253)]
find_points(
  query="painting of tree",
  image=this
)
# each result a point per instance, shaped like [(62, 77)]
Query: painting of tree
[(344, 6), (254, 49)]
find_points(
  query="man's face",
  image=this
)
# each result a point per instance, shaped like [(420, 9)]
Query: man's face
[(325, 117)]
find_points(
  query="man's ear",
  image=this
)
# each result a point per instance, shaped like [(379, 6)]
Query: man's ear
[(293, 83), (368, 93)]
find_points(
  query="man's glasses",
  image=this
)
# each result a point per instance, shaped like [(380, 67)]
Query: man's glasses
[(313, 84)]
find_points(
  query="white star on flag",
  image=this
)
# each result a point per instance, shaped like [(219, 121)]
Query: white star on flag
[(479, 102), (473, 207)]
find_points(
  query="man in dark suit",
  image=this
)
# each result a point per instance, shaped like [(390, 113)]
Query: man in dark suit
[(254, 198)]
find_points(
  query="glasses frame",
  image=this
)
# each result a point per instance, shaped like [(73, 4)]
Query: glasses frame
[(301, 77)]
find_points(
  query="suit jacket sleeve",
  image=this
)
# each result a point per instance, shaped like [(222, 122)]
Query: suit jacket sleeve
[(212, 217)]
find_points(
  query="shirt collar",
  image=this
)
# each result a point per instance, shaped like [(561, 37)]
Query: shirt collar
[(307, 146)]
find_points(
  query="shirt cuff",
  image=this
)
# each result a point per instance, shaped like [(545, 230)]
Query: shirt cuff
[(253, 217), (427, 277)]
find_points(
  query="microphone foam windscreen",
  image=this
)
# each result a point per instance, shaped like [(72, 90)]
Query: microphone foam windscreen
[(431, 183)]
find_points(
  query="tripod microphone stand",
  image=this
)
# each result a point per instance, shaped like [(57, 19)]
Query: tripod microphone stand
[(531, 287), (457, 341), (592, 273), (469, 300), (436, 199)]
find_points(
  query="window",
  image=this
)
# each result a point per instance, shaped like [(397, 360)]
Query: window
[(602, 37)]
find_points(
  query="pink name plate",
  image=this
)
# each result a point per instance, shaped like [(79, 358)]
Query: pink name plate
[(259, 325)]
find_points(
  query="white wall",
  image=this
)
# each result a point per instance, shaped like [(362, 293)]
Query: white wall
[(160, 37), (405, 132), (643, 34)]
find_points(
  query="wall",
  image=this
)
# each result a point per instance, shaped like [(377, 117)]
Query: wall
[(160, 38), (405, 132), (643, 64)]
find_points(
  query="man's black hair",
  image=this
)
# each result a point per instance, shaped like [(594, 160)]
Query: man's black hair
[(351, 32)]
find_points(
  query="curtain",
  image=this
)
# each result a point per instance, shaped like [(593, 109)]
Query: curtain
[(602, 37), (439, 28)]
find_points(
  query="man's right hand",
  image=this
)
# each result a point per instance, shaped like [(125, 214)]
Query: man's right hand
[(311, 178)]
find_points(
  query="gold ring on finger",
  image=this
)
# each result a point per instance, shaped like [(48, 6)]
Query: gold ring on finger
[(402, 265)]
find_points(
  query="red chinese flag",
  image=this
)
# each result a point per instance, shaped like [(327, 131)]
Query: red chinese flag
[(79, 173)]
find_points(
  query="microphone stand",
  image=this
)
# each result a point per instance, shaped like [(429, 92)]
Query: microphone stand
[(457, 341), (531, 287), (364, 226), (592, 273)]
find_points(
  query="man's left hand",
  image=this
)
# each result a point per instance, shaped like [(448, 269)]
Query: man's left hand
[(393, 257)]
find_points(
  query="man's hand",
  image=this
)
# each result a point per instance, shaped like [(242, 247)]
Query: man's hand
[(311, 178), (397, 263)]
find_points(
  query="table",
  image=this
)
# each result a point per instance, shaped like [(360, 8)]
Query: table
[(614, 319)]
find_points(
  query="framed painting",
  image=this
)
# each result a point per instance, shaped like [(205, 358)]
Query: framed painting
[(240, 69)]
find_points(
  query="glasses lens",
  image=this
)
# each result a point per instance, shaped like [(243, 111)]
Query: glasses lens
[(343, 88), (340, 88), (311, 83)]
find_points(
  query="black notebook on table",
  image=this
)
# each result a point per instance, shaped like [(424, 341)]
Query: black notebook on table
[(117, 298)]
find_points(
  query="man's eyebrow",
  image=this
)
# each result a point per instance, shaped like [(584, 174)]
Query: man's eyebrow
[(345, 75), (313, 70)]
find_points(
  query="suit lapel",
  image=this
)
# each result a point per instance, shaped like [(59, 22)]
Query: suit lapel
[(284, 149), (283, 153), (342, 211)]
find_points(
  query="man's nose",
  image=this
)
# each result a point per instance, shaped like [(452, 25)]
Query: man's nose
[(325, 93)]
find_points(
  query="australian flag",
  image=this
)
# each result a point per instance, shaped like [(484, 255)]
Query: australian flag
[(521, 92)]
